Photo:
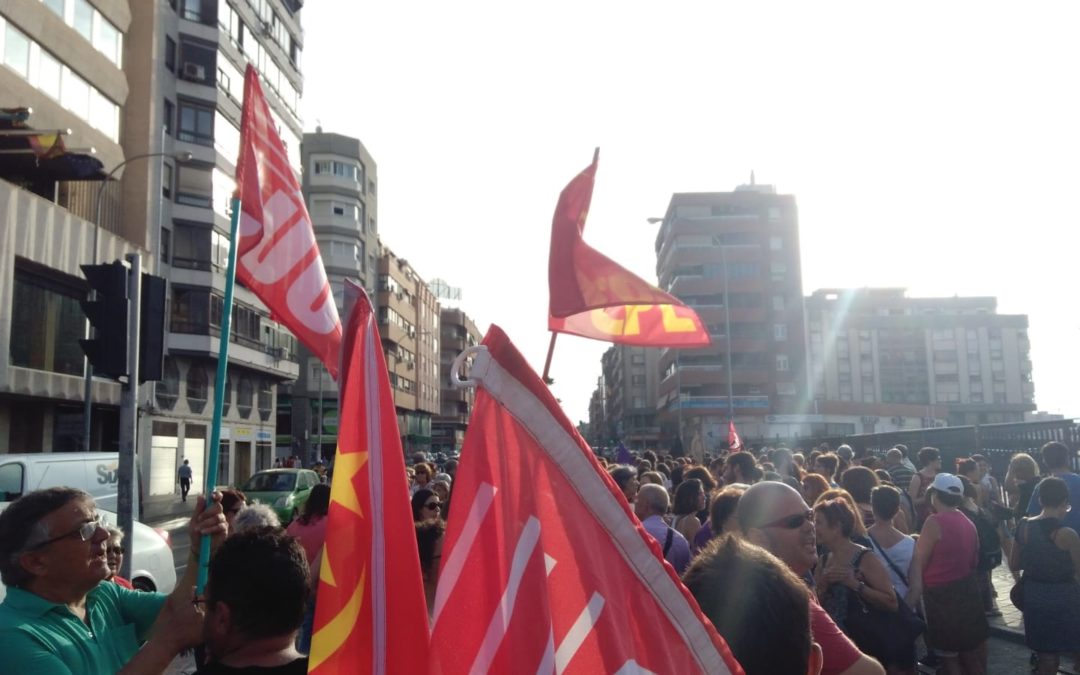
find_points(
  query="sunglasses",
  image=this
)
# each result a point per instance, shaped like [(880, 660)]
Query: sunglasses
[(434, 506), (792, 522), (85, 532)]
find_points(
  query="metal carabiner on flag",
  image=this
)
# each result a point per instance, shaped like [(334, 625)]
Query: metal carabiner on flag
[(474, 378)]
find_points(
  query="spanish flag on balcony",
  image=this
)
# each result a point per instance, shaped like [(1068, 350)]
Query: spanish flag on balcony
[(595, 297)]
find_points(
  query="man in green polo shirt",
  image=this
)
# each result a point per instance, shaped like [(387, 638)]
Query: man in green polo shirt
[(60, 618)]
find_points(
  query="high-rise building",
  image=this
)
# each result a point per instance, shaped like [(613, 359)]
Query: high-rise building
[(458, 332), (876, 345), (632, 375), (408, 315), (65, 60), (186, 61), (340, 179), (734, 258)]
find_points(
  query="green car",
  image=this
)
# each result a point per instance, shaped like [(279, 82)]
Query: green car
[(285, 490)]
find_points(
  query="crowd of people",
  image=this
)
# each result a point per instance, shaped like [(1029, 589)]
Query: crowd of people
[(867, 558), (820, 561)]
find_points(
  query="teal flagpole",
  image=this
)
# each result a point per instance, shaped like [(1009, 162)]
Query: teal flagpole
[(219, 388)]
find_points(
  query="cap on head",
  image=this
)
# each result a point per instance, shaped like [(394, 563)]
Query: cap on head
[(948, 483)]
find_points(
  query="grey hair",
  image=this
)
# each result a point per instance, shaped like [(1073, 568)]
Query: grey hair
[(115, 533), (255, 515), (655, 497)]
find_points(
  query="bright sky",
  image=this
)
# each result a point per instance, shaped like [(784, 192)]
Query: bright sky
[(929, 145)]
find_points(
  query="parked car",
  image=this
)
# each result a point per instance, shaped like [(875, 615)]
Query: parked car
[(95, 473), (152, 565), (284, 490)]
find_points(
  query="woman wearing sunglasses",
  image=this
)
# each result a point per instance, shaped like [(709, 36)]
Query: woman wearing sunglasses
[(114, 554), (430, 527)]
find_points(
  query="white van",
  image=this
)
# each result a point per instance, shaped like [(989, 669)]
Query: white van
[(93, 472)]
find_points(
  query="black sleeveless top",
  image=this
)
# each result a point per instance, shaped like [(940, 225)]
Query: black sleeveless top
[(1043, 560)]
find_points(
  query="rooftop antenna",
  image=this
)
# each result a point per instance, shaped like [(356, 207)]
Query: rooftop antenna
[(751, 176)]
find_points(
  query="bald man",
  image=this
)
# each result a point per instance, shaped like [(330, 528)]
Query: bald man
[(775, 517), (650, 508)]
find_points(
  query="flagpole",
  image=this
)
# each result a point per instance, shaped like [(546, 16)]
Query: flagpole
[(551, 352), (219, 387)]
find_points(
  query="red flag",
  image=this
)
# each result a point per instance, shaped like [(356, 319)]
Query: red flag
[(545, 569), (733, 440), (278, 257), (370, 613), (595, 297)]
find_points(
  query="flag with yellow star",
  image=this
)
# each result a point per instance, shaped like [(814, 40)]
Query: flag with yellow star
[(370, 612)]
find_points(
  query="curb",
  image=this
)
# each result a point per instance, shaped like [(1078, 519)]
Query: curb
[(1003, 632)]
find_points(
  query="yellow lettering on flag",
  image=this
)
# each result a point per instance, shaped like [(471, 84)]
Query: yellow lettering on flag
[(332, 636), (673, 323), (603, 321)]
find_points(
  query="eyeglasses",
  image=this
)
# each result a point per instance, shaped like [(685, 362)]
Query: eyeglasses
[(85, 532), (434, 506), (792, 522), (119, 550)]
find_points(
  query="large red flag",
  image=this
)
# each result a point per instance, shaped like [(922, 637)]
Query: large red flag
[(545, 569), (278, 257), (370, 612), (595, 297)]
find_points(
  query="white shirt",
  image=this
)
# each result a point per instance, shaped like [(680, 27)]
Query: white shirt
[(900, 554)]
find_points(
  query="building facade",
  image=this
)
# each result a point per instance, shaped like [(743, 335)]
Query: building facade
[(458, 333), (408, 315), (340, 179), (632, 377), (65, 61), (876, 345), (187, 59), (733, 257)]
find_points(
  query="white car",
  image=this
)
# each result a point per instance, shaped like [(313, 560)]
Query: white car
[(152, 567)]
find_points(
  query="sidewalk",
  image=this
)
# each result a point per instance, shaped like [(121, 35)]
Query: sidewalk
[(1010, 625), (166, 507)]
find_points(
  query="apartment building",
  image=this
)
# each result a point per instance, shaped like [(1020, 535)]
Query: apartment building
[(340, 179), (64, 60), (631, 376), (458, 333), (408, 316), (876, 345), (734, 258)]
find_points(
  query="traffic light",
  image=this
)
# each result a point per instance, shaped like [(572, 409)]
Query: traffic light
[(108, 314), (151, 328)]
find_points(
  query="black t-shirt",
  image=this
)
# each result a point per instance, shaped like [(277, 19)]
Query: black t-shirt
[(297, 667)]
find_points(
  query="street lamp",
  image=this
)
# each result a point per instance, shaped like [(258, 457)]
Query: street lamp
[(88, 368)]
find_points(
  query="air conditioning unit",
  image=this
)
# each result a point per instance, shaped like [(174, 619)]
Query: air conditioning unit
[(411, 365), (194, 72)]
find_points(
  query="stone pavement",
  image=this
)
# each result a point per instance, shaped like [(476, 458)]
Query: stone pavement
[(1010, 625)]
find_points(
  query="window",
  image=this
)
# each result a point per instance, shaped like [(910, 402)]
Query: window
[(167, 180), (196, 124), (197, 386), (169, 114), (780, 332), (782, 364), (637, 380), (245, 395), (107, 39), (778, 303), (194, 187), (46, 324), (17, 51), (48, 74), (11, 480), (779, 271), (56, 6), (776, 243), (166, 240), (227, 396), (83, 19), (785, 388), (167, 389), (329, 167), (266, 400), (170, 54)]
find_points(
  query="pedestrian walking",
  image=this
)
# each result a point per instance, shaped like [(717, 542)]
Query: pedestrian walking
[(183, 474)]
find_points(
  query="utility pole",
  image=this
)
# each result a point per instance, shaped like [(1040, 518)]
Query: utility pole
[(129, 417)]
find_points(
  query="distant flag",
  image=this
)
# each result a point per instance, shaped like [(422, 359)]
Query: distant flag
[(733, 440), (595, 297), (544, 568), (277, 255), (47, 146), (370, 612), (623, 455)]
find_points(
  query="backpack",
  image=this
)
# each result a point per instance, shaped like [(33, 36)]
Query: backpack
[(989, 541)]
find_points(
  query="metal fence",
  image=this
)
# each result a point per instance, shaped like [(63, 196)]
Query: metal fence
[(999, 442)]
